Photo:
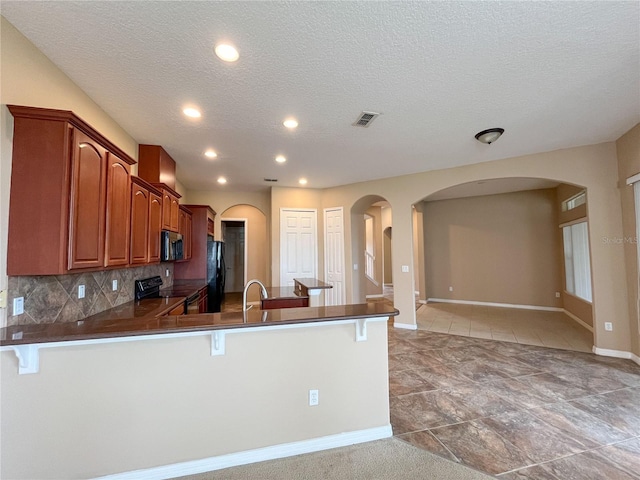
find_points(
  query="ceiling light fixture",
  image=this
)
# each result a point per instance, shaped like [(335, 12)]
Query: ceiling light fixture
[(281, 159), (222, 180), (210, 154), (290, 123), (302, 181), (489, 136), (226, 52), (192, 112)]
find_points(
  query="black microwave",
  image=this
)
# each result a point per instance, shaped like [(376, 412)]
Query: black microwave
[(171, 246)]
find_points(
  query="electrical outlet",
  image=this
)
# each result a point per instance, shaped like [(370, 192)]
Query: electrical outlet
[(451, 289), (3, 299), (114, 285), (608, 326), (18, 306), (80, 291), (557, 294), (405, 268), (166, 272), (313, 398), (355, 266)]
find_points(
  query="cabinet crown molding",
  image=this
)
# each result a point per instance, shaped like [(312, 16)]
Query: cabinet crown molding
[(20, 111)]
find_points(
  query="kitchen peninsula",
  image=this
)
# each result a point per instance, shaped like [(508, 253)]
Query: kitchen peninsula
[(142, 394)]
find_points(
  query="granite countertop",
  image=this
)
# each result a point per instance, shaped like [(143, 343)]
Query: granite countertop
[(145, 318)]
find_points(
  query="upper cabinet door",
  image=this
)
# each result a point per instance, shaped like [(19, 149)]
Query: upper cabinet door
[(118, 211), (166, 211), (87, 203), (139, 224), (155, 226)]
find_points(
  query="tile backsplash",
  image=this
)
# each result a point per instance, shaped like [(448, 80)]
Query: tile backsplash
[(54, 298)]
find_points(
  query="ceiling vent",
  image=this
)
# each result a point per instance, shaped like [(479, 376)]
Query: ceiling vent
[(270, 179), (365, 119)]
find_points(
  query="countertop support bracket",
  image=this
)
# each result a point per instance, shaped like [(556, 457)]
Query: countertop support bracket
[(28, 358), (361, 329), (218, 342)]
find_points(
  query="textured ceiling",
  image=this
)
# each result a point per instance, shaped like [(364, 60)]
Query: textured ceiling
[(553, 74)]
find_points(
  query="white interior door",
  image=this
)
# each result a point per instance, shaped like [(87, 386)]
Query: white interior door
[(298, 245), (334, 255)]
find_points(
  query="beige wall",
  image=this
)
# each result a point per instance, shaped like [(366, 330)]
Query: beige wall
[(102, 409), (494, 248), (628, 148), (30, 78), (578, 307), (256, 243)]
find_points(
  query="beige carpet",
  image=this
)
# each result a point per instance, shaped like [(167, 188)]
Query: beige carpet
[(388, 459)]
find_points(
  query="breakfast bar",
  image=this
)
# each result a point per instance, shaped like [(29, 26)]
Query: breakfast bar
[(90, 399)]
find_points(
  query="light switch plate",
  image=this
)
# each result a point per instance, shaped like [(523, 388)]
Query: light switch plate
[(80, 291), (3, 299), (114, 284), (18, 306)]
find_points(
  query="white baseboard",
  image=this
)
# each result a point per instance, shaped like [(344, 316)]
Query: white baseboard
[(578, 320), (493, 304), (424, 302), (605, 352), (251, 456), (375, 295), (406, 326)]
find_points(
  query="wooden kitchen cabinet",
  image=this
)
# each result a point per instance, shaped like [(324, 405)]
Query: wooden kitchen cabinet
[(155, 225), (170, 208), (184, 228), (139, 223), (59, 195), (145, 222), (155, 165), (87, 203), (118, 212), (196, 267), (203, 305)]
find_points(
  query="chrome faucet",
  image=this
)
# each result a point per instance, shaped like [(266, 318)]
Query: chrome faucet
[(263, 293)]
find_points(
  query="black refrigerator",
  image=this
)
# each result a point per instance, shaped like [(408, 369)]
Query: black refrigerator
[(215, 275)]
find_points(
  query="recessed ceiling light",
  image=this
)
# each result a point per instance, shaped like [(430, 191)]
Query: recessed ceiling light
[(281, 159), (192, 112), (210, 154), (302, 181), (227, 52), (222, 180), (290, 123)]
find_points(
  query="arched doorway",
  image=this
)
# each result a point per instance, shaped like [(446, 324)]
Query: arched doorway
[(244, 230), (370, 216), (512, 252)]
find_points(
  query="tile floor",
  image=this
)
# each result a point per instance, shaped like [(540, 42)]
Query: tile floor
[(513, 410), (531, 327)]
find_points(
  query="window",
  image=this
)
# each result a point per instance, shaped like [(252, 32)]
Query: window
[(577, 266), (575, 201), (369, 252)]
